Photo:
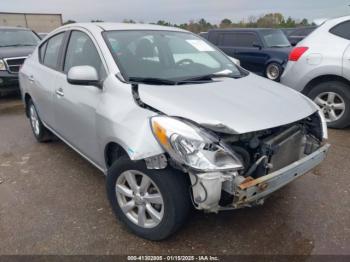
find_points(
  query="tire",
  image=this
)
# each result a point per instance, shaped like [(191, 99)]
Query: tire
[(273, 71), (173, 187), (333, 96), (40, 132)]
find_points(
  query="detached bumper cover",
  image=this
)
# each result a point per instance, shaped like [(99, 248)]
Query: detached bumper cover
[(250, 192)]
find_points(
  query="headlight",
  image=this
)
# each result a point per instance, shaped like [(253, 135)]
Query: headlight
[(192, 146), (2, 65)]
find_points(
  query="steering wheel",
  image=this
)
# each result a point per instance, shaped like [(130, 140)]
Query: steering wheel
[(184, 61)]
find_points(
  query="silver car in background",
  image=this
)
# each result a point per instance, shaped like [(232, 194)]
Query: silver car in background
[(319, 67), (170, 120)]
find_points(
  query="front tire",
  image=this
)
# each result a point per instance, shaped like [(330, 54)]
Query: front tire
[(41, 133), (153, 204), (333, 97)]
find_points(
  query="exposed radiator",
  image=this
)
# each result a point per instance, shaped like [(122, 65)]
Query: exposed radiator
[(286, 148)]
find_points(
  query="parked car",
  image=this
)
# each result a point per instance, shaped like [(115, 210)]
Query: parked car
[(320, 68), (298, 34), (170, 120), (204, 34), (15, 45), (287, 31), (262, 51)]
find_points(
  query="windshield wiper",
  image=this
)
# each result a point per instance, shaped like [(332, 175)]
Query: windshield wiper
[(208, 77), (152, 80)]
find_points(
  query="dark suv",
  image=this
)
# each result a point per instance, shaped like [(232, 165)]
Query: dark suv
[(260, 50), (15, 45)]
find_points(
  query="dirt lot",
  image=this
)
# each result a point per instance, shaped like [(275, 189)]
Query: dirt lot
[(53, 202)]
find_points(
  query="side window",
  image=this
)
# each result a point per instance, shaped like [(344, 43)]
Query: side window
[(229, 39), (342, 30), (240, 39), (81, 51), (52, 50), (247, 39), (42, 50)]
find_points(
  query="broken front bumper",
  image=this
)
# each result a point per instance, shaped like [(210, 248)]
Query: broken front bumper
[(249, 191)]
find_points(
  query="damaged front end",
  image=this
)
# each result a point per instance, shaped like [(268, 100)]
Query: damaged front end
[(230, 171)]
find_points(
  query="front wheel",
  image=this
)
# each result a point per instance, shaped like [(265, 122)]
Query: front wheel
[(333, 97), (273, 71), (153, 204)]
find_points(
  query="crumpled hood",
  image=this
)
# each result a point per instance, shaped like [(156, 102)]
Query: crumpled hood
[(237, 106)]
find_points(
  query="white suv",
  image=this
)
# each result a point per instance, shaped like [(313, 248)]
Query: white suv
[(319, 66)]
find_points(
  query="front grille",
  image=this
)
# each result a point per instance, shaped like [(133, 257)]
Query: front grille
[(14, 64)]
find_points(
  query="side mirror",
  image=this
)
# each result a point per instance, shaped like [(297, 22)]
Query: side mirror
[(83, 75), (257, 46)]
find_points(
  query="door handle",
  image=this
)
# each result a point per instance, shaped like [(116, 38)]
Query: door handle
[(31, 78), (60, 92)]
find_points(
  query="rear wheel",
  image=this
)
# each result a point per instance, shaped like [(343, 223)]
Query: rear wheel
[(153, 204), (333, 97), (273, 71), (41, 133)]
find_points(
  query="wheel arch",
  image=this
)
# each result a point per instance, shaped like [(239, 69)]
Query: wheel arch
[(27, 98), (323, 78), (112, 152)]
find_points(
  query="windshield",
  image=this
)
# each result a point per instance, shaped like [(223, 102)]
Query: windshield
[(275, 38), (14, 37), (167, 55)]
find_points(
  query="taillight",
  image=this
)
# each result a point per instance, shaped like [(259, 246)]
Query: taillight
[(297, 52)]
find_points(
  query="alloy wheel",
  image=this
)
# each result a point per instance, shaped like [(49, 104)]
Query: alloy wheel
[(331, 104), (139, 198), (273, 72), (34, 120)]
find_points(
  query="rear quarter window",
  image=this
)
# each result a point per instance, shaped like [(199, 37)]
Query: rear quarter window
[(342, 30), (239, 39), (52, 49)]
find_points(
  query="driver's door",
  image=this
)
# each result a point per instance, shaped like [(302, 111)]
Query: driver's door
[(75, 105)]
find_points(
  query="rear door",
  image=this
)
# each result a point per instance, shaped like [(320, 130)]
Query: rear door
[(346, 63), (342, 31), (75, 105), (43, 77)]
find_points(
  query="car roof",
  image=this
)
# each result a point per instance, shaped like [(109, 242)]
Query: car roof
[(123, 26), (245, 29)]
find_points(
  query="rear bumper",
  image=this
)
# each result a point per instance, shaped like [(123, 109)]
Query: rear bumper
[(253, 191), (8, 82)]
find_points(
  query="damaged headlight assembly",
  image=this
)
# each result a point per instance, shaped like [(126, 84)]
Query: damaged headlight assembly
[(192, 146)]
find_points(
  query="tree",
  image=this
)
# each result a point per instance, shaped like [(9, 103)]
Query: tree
[(129, 21), (69, 22), (290, 23), (96, 21), (270, 20), (304, 22), (225, 23)]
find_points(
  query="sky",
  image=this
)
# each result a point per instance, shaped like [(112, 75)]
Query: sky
[(178, 11)]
